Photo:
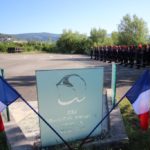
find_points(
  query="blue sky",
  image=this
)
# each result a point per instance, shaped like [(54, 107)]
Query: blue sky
[(23, 16)]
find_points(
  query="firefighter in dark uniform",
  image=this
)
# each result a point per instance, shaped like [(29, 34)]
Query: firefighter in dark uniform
[(138, 56), (109, 54), (144, 57), (131, 55), (104, 53), (128, 55), (120, 54), (148, 55), (112, 53), (98, 53), (125, 56), (106, 47), (91, 52), (101, 53), (117, 53), (95, 53)]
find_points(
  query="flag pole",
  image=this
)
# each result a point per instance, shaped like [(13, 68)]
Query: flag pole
[(65, 142), (101, 121)]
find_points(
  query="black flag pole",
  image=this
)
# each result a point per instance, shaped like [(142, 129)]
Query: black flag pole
[(84, 140), (65, 142)]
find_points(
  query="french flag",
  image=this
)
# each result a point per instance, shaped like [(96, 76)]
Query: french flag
[(139, 97), (1, 124), (7, 94)]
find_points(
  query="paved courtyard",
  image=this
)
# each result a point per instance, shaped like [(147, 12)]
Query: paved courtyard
[(20, 70)]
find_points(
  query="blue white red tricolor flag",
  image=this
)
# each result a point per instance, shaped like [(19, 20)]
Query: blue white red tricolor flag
[(139, 97), (7, 94), (1, 124)]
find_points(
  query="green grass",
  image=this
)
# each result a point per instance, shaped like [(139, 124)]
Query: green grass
[(3, 141), (138, 139)]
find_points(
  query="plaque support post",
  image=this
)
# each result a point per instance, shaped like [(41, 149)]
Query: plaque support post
[(113, 84)]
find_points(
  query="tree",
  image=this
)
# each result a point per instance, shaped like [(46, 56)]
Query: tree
[(98, 36), (132, 30), (73, 42), (114, 37)]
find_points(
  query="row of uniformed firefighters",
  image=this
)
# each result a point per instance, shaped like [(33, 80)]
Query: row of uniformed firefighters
[(127, 55)]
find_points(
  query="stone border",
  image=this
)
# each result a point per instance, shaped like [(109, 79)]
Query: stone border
[(114, 132)]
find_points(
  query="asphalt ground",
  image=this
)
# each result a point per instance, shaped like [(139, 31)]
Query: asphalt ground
[(20, 70)]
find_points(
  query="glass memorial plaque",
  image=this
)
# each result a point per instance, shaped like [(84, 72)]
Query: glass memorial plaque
[(71, 101)]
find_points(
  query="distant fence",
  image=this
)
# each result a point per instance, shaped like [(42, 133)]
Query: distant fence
[(14, 50)]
